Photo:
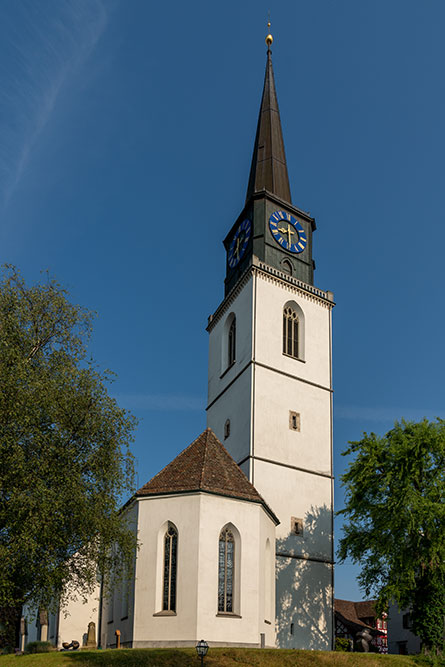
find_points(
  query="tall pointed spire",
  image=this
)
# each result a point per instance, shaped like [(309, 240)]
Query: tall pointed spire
[(269, 170)]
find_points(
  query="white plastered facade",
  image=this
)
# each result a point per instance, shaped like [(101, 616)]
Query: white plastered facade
[(292, 469), (198, 518)]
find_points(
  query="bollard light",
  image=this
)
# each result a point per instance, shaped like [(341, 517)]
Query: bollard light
[(201, 649)]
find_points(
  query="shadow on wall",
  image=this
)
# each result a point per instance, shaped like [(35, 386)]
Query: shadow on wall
[(304, 587)]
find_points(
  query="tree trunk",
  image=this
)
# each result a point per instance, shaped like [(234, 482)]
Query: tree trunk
[(10, 627)]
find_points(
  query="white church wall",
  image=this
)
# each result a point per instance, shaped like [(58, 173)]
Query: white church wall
[(270, 300), (123, 611), (219, 375), (304, 604), (266, 584), (294, 476), (305, 496), (255, 527), (229, 406), (151, 626), (74, 619), (275, 396), (199, 519)]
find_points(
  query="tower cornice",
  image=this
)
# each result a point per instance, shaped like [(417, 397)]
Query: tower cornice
[(324, 297)]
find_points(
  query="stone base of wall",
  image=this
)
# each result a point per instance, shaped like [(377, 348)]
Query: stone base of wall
[(186, 644)]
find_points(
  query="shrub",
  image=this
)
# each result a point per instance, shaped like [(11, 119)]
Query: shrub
[(38, 647), (342, 644)]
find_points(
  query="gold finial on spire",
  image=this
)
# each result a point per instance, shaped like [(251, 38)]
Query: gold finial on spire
[(269, 38)]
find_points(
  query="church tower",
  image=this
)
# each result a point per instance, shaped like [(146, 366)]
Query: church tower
[(270, 381)]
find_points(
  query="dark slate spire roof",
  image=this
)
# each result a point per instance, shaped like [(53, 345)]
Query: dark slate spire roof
[(269, 169), (205, 465)]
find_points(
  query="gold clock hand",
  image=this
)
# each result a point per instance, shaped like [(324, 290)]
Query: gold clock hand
[(287, 231)]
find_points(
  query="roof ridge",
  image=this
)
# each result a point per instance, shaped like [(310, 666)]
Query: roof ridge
[(238, 467), (169, 463), (206, 449), (205, 465)]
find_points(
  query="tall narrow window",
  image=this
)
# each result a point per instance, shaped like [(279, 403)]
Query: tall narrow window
[(290, 332), (268, 575), (232, 342), (226, 570), (170, 562), (125, 592)]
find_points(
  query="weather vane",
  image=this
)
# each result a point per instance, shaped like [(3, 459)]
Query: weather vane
[(269, 38)]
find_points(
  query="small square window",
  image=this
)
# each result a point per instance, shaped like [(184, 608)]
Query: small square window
[(294, 421), (406, 621), (296, 526)]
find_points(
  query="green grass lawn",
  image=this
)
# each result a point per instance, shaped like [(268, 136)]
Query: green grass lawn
[(224, 657)]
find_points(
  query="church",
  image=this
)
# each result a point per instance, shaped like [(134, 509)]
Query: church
[(236, 533)]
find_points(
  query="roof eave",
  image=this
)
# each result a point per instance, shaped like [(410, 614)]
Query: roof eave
[(180, 492)]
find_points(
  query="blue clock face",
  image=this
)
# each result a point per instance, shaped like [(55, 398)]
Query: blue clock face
[(287, 232), (239, 243)]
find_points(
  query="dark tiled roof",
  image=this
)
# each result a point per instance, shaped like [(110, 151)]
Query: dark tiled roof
[(351, 613), (205, 465), (365, 609)]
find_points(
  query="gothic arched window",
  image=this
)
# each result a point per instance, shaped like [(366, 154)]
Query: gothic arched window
[(231, 341), (226, 570), (290, 332), (170, 566)]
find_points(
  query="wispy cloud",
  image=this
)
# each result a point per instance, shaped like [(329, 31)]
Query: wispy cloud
[(384, 414), (161, 402), (41, 45)]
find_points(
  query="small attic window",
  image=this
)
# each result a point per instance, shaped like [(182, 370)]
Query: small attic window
[(294, 420), (227, 429), (296, 526)]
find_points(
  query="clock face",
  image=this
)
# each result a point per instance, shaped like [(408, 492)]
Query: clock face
[(239, 243), (287, 232)]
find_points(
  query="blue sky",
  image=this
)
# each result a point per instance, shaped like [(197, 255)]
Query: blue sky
[(126, 131)]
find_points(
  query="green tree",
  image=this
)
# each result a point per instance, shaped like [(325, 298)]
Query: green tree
[(394, 522), (64, 453)]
